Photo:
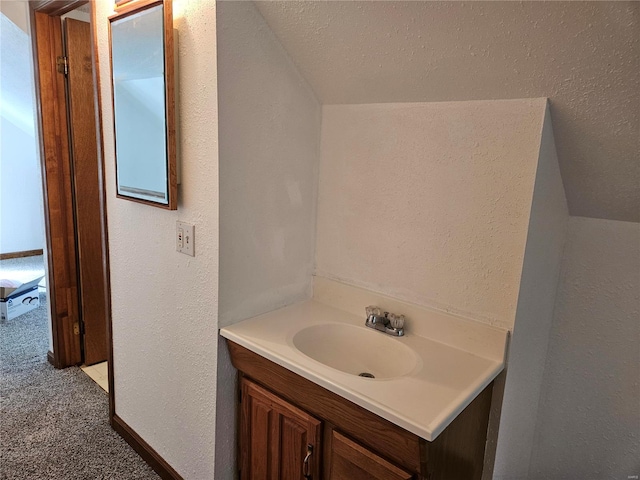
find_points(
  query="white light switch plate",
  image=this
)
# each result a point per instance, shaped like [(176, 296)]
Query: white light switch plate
[(185, 238)]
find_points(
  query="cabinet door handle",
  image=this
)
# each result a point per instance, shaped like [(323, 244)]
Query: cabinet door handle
[(306, 469)]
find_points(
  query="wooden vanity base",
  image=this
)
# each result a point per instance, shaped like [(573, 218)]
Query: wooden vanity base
[(352, 439)]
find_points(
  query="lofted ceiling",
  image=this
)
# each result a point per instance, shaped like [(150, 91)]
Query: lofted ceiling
[(584, 56)]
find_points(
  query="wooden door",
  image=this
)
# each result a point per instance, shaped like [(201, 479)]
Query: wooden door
[(58, 198), (86, 184), (352, 461), (276, 437)]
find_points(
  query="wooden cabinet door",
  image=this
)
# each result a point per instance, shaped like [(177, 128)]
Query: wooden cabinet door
[(352, 461), (276, 437)]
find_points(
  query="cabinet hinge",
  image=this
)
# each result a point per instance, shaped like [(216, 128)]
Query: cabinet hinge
[(62, 64), (76, 328)]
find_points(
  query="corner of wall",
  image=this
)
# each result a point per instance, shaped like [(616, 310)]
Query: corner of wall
[(534, 313), (269, 131), (269, 148)]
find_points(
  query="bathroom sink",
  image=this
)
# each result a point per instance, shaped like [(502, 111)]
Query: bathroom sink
[(356, 350), (421, 384)]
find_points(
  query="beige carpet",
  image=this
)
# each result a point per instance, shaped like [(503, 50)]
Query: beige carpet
[(54, 423)]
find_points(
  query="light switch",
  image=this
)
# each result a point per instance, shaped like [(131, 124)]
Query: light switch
[(185, 238), (180, 239)]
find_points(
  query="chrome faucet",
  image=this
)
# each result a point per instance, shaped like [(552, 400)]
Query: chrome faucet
[(386, 322)]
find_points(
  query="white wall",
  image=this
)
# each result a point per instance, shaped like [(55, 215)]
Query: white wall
[(589, 414), (269, 130), (429, 202), (21, 207), (534, 314), (21, 213), (164, 304), (269, 150)]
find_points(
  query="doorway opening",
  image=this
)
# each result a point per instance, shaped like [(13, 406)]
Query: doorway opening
[(65, 68), (21, 203)]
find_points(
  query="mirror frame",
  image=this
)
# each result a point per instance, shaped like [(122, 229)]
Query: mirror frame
[(125, 8)]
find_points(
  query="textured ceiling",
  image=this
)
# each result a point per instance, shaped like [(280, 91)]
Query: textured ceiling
[(584, 56)]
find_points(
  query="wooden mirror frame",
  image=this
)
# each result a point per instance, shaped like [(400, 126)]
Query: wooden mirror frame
[(125, 8)]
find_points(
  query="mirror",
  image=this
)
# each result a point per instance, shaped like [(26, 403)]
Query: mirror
[(142, 74)]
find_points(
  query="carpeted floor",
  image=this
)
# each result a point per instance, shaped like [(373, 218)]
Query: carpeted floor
[(23, 269), (54, 423)]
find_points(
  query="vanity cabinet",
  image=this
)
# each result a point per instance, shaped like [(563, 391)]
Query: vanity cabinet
[(351, 461), (283, 414), (278, 440)]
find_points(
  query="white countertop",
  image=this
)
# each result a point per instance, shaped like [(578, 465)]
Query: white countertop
[(424, 401)]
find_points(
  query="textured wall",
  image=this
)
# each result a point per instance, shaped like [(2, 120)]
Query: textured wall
[(584, 56), (164, 304), (589, 417), (269, 130), (534, 314), (430, 203)]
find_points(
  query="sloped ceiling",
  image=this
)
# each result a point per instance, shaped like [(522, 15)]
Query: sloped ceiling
[(584, 56), (17, 12)]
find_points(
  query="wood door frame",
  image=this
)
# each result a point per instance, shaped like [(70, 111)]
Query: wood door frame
[(53, 132), (57, 194)]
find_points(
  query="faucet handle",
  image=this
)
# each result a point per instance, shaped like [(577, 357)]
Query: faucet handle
[(373, 310), (396, 321)]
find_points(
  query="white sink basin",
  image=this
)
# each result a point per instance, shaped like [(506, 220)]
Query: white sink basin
[(421, 383), (356, 350)]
